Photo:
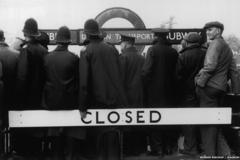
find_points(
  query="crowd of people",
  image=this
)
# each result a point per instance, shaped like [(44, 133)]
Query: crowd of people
[(32, 78)]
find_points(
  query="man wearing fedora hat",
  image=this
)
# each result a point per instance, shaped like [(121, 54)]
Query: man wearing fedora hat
[(190, 62), (29, 86), (211, 81), (101, 87), (160, 82)]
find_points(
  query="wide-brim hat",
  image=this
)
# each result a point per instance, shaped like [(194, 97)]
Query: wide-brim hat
[(91, 27), (63, 35), (31, 28), (214, 24)]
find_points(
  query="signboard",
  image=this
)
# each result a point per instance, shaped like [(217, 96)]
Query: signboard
[(53, 33), (143, 36), (121, 117)]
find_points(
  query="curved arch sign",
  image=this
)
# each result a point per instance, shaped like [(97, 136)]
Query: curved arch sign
[(143, 35), (124, 13), (118, 12)]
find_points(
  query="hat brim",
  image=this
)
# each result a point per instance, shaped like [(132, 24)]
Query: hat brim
[(65, 42), (92, 33), (210, 26), (32, 34)]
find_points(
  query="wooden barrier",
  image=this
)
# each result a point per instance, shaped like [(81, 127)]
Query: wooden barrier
[(121, 117)]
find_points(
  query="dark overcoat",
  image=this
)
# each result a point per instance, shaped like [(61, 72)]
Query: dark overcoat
[(159, 75), (100, 77), (132, 64), (30, 76), (1, 95), (8, 58), (189, 63), (61, 87)]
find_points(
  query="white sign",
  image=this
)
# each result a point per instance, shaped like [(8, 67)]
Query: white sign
[(115, 117)]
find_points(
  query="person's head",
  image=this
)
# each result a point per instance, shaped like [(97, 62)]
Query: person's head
[(192, 38), (183, 43), (2, 38), (63, 36), (126, 41), (92, 30), (214, 29), (103, 34), (160, 33), (43, 39), (30, 29)]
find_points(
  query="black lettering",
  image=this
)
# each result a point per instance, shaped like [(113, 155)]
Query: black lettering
[(128, 113), (155, 120), (139, 116), (86, 122), (97, 119), (109, 117)]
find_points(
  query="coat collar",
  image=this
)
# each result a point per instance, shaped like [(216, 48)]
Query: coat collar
[(161, 41), (190, 47), (130, 49), (3, 44), (62, 48)]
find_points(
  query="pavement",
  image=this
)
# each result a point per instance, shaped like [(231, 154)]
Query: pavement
[(170, 157), (142, 157)]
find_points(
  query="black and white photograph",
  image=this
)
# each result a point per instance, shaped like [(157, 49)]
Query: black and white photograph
[(119, 80)]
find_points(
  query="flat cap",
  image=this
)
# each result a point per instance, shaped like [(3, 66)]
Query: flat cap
[(214, 24), (127, 38), (192, 37)]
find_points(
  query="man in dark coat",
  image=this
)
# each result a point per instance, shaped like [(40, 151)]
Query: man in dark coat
[(132, 63), (30, 82), (101, 86), (159, 71), (30, 72), (160, 81), (8, 62), (8, 58), (189, 63), (61, 88), (1, 110), (61, 67)]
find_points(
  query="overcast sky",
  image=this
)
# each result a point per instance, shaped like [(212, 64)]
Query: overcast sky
[(51, 14)]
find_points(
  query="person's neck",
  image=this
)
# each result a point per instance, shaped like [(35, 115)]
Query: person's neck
[(218, 36)]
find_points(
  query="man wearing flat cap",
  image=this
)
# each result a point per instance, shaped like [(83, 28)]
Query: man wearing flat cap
[(159, 81), (190, 62), (132, 63), (211, 81)]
